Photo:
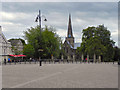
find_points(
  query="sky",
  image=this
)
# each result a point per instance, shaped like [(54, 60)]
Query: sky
[(17, 17)]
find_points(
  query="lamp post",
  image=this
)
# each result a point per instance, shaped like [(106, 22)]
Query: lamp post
[(38, 18)]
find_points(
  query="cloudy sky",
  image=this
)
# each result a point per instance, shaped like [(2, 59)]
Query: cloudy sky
[(19, 16)]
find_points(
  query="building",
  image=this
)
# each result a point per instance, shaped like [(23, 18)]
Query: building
[(69, 45), (5, 47), (17, 46)]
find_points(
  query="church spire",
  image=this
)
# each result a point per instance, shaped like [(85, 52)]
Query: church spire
[(70, 34)]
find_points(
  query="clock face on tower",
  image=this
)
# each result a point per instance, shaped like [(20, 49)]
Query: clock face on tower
[(69, 35)]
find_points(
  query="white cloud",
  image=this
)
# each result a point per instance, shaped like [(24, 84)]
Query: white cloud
[(14, 16), (8, 16), (62, 32), (10, 24)]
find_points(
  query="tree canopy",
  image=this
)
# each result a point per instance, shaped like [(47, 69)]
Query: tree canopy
[(96, 40), (45, 45)]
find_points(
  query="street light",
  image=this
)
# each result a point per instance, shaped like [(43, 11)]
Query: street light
[(38, 18)]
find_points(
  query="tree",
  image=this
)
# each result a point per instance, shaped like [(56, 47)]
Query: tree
[(29, 50), (96, 41), (116, 53), (49, 41)]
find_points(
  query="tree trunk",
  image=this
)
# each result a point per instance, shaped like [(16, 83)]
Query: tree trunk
[(99, 59), (94, 57), (52, 56), (62, 57), (68, 57), (82, 57), (74, 57), (87, 58)]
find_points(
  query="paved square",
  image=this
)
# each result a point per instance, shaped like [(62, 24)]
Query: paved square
[(60, 76)]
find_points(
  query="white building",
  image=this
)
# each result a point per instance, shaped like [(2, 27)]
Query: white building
[(5, 47)]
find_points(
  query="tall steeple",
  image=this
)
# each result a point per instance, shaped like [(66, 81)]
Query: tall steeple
[(70, 37), (70, 34)]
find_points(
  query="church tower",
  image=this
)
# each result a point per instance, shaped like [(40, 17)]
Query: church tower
[(70, 37)]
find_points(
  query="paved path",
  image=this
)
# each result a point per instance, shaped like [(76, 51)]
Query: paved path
[(60, 76)]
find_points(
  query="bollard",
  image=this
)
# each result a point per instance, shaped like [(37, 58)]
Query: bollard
[(25, 61), (40, 63), (19, 61), (80, 61), (88, 62), (49, 61), (9, 62), (5, 63), (59, 61), (29, 62), (15, 62), (44, 61)]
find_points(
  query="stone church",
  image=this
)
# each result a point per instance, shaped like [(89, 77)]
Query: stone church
[(69, 45)]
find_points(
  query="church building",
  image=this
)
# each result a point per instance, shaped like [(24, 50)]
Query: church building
[(69, 45)]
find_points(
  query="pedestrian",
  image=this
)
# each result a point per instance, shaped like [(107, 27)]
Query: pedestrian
[(5, 61), (8, 59), (86, 59)]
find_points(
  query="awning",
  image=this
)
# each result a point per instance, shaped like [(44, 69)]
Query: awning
[(21, 55), (17, 55)]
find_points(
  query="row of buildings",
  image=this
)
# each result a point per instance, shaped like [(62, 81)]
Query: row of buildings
[(6, 46)]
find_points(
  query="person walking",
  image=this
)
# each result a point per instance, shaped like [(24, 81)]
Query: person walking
[(86, 60), (5, 61)]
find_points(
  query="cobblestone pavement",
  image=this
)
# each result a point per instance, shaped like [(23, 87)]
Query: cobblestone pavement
[(60, 76)]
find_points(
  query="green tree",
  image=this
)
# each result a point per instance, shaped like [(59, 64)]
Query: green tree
[(96, 41), (29, 50), (116, 53), (49, 41)]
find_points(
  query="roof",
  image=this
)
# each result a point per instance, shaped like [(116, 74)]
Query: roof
[(14, 42), (2, 35), (76, 45), (69, 44)]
